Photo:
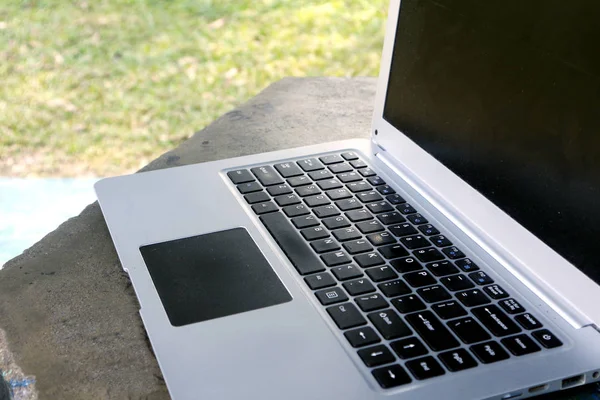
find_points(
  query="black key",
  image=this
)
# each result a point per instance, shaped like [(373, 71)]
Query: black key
[(267, 175), (322, 174), (359, 286), (406, 209), (395, 199), (457, 360), (367, 172), (240, 176), (335, 258), (287, 200), (407, 264), (385, 190), (369, 226), (418, 279), (249, 187), (468, 330), (393, 251), (336, 222), (316, 232), (359, 215), (427, 255), (292, 244), (356, 187), (390, 218), (389, 324), (357, 246), (381, 238), (368, 197), (346, 272), (495, 320), (346, 316), (433, 294), (324, 245), (472, 298), (379, 274), (329, 184), (362, 336), (408, 304), (279, 190), (415, 242), (371, 302), (353, 176), (409, 348), (402, 230), (256, 197), (308, 190), (443, 268), (288, 169), (428, 230), (296, 210), (346, 234), (432, 331), (495, 292), (326, 211), (520, 345), (297, 181), (376, 180), (358, 164), (547, 339), (315, 201), (489, 352), (440, 241), (391, 376), (331, 296), (449, 309), (340, 168), (425, 368), (453, 252), (319, 281), (481, 278), (457, 282), (263, 208), (349, 156), (528, 321), (348, 204), (338, 194), (466, 265), (370, 259), (394, 288), (376, 355), (331, 159), (310, 164), (511, 306), (305, 221), (379, 207), (417, 219)]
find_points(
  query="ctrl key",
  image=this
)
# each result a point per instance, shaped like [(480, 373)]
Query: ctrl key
[(391, 376)]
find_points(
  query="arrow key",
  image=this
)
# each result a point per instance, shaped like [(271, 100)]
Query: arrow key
[(409, 348), (376, 355), (362, 336), (391, 376)]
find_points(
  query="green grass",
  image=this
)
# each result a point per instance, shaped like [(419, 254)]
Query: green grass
[(103, 86)]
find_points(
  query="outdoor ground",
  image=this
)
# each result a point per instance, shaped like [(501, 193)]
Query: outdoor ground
[(101, 87)]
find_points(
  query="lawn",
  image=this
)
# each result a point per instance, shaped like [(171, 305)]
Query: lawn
[(101, 87)]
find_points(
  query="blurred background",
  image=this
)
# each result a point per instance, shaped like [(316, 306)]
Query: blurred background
[(94, 88)]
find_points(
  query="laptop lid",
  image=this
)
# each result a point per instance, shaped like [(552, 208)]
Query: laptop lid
[(492, 108)]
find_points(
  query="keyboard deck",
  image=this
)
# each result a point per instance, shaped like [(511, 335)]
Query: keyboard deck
[(410, 302)]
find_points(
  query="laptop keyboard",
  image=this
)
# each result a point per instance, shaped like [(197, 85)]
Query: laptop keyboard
[(409, 301)]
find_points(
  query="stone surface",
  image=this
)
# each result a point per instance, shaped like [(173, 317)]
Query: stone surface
[(68, 310)]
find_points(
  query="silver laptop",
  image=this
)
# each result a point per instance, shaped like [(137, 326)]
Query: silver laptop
[(454, 255)]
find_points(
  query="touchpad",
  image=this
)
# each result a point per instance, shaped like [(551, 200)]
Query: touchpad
[(212, 276)]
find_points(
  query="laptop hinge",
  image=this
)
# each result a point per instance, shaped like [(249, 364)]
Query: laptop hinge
[(550, 297)]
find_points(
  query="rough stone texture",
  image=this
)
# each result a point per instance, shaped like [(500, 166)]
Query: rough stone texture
[(68, 310)]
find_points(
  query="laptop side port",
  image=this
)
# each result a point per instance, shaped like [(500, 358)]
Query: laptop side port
[(573, 381), (539, 388)]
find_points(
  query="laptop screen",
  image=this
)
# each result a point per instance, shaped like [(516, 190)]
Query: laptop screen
[(506, 93)]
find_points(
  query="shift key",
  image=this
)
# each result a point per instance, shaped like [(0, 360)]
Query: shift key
[(267, 175), (429, 327)]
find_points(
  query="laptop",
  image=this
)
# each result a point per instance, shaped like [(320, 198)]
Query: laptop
[(452, 255)]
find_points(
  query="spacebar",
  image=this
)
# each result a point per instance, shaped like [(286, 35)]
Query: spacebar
[(292, 244)]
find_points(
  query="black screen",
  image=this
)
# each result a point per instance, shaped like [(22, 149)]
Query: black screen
[(507, 95)]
